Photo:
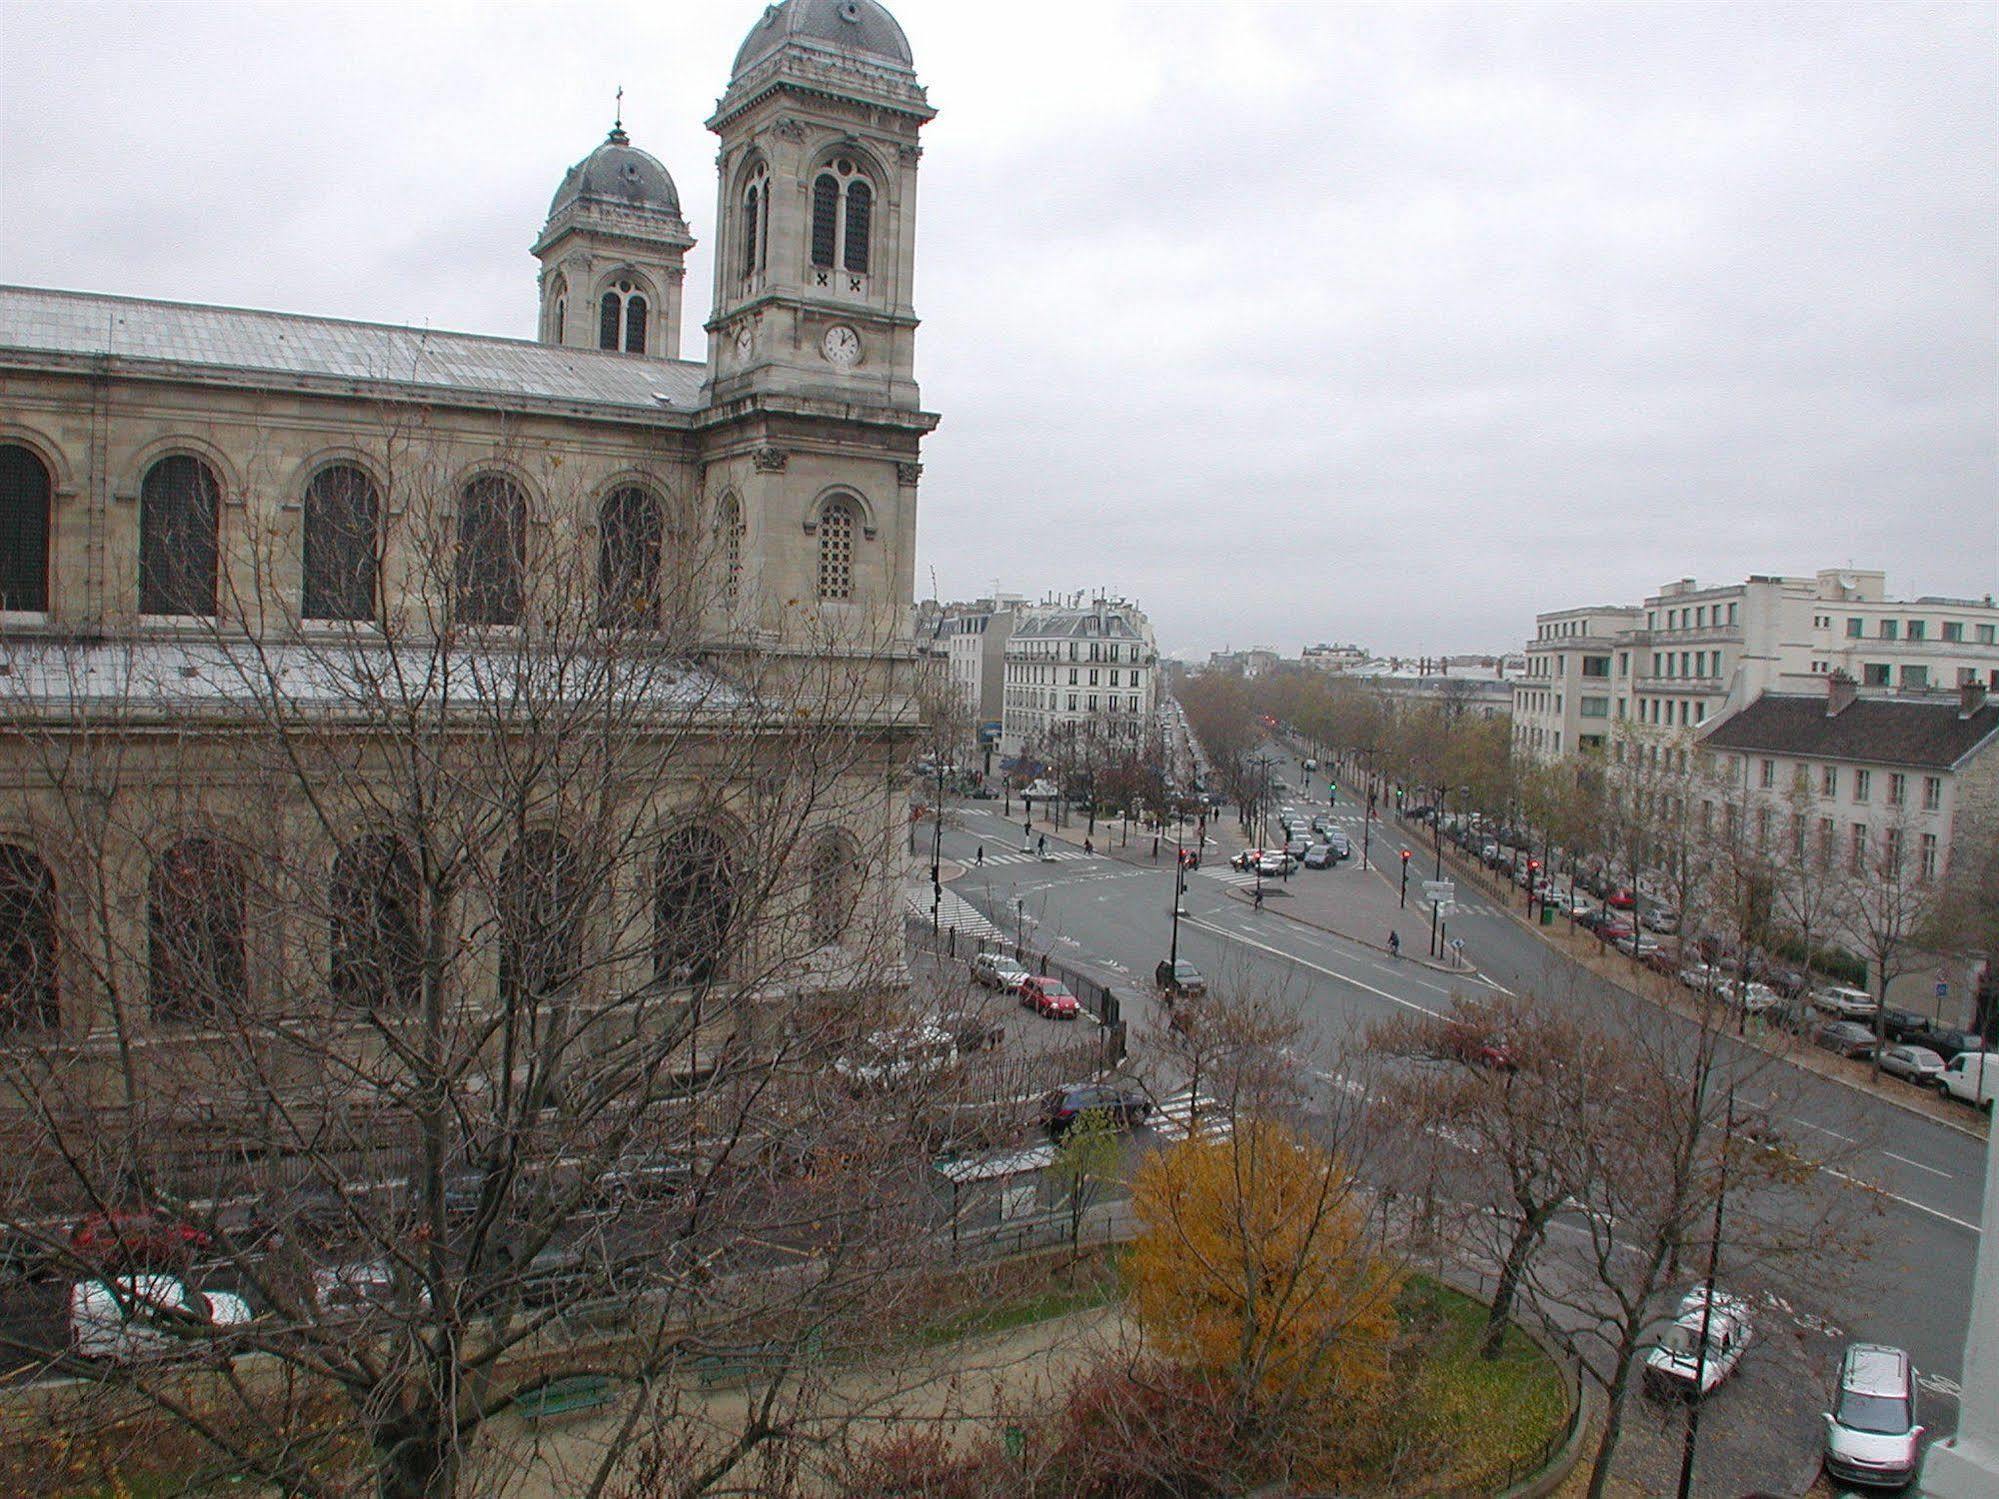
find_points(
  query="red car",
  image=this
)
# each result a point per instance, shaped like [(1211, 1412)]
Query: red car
[(1614, 931), (141, 1238), (1467, 1043), (1620, 899), (1046, 996)]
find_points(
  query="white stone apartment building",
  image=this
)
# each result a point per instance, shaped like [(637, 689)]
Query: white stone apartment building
[(1073, 665), (1690, 654), (968, 641)]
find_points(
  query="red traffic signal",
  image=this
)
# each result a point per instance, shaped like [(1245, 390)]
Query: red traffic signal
[(1532, 865), (1405, 856)]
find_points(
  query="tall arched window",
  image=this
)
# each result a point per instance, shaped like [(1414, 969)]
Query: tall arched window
[(842, 216), (377, 950), (860, 211), (621, 318), (557, 303), (343, 517), (27, 941), (630, 533), (729, 542), (833, 887), (541, 917), (194, 921), (25, 491), (836, 549), (754, 231), (694, 907), (180, 508), (492, 551)]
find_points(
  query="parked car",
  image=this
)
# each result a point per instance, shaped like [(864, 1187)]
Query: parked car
[(1750, 996), (1903, 1025), (1178, 978), (887, 1058), (1971, 1077), (972, 1030), (1612, 929), (1843, 1003), (1638, 945), (1913, 1064), (132, 1317), (1123, 1108), (1467, 1043), (997, 971), (1871, 1435), (1847, 1038), (1046, 996), (1621, 898), (1663, 919), (140, 1239), (1676, 1365)]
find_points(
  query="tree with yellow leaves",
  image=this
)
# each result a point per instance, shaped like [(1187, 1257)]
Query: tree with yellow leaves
[(1255, 1269)]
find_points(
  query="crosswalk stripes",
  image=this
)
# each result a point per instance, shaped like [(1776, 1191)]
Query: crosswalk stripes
[(953, 910), (1055, 855), (1183, 1113), (1239, 879)]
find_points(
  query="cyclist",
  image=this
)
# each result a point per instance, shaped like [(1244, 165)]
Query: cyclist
[(1394, 945)]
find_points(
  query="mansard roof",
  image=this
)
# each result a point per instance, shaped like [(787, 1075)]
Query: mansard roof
[(1923, 734), (265, 348)]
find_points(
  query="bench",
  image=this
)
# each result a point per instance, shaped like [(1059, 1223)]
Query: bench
[(577, 1392)]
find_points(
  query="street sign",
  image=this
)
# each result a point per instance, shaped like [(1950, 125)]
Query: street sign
[(1943, 989), (1440, 892)]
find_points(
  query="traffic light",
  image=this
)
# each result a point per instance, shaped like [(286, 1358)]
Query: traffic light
[(1332, 791), (1402, 896), (1405, 857), (1398, 798)]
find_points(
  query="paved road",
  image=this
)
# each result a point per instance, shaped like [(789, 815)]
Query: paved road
[(1112, 917)]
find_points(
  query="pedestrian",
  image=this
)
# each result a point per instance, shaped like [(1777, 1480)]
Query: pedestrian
[(1257, 898), (1394, 945), (1087, 847), (982, 854), (1041, 847)]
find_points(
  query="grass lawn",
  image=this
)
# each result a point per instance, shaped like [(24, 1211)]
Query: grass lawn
[(1061, 1287)]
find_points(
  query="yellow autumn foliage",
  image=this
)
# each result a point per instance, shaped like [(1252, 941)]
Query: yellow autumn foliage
[(1254, 1268)]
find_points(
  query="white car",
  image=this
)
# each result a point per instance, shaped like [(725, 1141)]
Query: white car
[(889, 1057), (1844, 1003), (1675, 1364), (996, 970), (1971, 1077), (1702, 976), (147, 1316), (1749, 995)]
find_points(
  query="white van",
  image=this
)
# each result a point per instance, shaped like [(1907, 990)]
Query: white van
[(132, 1317), (1973, 1077)]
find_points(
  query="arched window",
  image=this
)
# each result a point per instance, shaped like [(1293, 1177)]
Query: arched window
[(180, 508), (621, 318), (27, 941), (729, 542), (557, 303), (343, 516), (842, 217), (833, 877), (194, 921), (752, 240), (630, 531), (541, 917), (492, 551), (377, 952), (860, 210), (24, 529), (836, 549), (694, 907)]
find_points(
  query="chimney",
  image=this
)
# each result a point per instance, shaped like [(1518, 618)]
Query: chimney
[(1970, 697), (1840, 691)]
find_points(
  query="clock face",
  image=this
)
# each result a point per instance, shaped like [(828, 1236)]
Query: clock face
[(743, 341), (842, 346)]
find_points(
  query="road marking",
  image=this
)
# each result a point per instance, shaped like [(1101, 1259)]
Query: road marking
[(1917, 1164), (1907, 1202), (1846, 1139), (1278, 952)]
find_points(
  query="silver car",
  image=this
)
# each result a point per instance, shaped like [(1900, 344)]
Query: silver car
[(1871, 1435), (1913, 1064)]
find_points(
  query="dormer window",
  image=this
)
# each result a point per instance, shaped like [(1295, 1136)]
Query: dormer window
[(842, 218), (621, 319)]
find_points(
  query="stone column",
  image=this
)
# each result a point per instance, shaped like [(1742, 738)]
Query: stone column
[(1967, 1466)]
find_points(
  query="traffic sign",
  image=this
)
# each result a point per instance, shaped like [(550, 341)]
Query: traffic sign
[(1440, 892)]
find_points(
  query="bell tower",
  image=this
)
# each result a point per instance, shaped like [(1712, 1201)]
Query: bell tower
[(815, 266)]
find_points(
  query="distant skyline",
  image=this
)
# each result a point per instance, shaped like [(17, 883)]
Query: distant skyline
[(1392, 324)]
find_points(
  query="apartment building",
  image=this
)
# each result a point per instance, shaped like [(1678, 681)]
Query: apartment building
[(1564, 701), (1075, 667)]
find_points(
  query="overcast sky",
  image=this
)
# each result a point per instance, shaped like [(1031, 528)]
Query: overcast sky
[(1292, 322)]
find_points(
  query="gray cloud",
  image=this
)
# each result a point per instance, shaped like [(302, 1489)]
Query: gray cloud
[(1291, 321)]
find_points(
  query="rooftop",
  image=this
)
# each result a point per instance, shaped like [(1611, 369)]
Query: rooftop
[(1926, 733), (195, 340)]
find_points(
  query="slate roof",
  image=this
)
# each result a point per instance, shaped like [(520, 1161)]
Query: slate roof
[(1924, 734), (1075, 624), (190, 338)]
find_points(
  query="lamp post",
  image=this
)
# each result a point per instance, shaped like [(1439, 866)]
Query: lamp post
[(937, 852)]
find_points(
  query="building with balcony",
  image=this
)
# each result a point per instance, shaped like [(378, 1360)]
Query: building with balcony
[(1079, 669)]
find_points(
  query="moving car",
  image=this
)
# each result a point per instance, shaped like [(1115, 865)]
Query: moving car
[(1914, 1064), (997, 971), (1849, 1038), (1123, 1108), (1297, 847), (131, 1317), (1845, 1004), (1274, 865), (1320, 856), (1177, 977), (141, 1238), (1046, 996), (1871, 1435), (1339, 843), (1971, 1077), (1676, 1364)]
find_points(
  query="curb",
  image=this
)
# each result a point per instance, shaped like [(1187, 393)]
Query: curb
[(1456, 860), (1470, 971)]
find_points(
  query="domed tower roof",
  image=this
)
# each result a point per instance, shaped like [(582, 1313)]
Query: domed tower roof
[(854, 26), (620, 174)]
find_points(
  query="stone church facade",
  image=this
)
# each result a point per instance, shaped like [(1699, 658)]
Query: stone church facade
[(184, 489)]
